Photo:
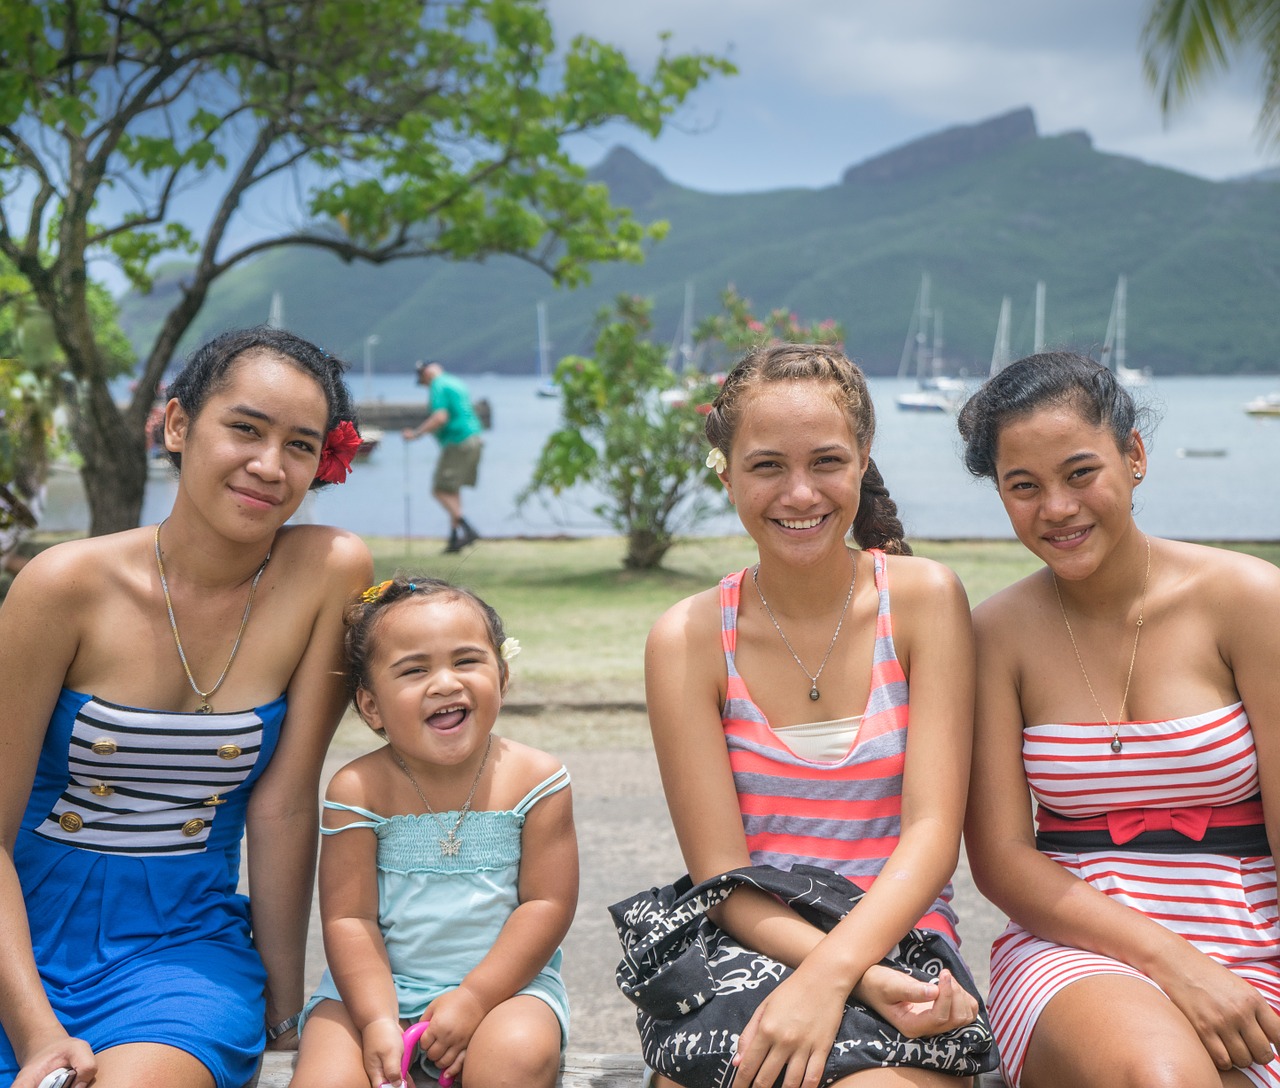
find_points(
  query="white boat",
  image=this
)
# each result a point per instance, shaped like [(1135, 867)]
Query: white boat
[(936, 390), (1113, 346), (546, 387), (928, 400), (1266, 405), (370, 439)]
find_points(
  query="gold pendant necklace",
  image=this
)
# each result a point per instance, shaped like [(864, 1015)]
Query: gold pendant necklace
[(1116, 745), (450, 844), (205, 696), (813, 677)]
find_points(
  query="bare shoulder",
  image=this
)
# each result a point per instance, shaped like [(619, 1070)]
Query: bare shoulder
[(521, 767), (323, 547), (687, 622), (361, 781), (1013, 608), (79, 572), (913, 576), (1225, 574)]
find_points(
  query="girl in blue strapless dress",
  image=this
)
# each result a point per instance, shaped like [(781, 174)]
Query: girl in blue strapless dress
[(449, 868), (128, 954)]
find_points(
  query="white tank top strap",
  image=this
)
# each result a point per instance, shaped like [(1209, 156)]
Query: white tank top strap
[(553, 784), (373, 821)]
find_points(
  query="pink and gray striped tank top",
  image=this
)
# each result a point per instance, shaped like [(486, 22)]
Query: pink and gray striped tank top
[(843, 815)]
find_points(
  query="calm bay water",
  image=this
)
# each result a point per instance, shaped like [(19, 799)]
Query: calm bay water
[(1233, 495)]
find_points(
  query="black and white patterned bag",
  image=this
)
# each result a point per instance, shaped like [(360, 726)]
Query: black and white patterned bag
[(695, 987)]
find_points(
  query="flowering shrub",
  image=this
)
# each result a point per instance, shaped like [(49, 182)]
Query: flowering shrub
[(632, 428), (739, 330)]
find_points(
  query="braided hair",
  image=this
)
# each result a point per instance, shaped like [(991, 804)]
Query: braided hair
[(876, 524)]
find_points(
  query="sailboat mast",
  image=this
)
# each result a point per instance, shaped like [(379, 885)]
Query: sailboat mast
[(1122, 290), (1000, 352), (1038, 343), (543, 347), (922, 330)]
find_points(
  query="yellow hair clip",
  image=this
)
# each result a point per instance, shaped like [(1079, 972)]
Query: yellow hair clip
[(374, 592)]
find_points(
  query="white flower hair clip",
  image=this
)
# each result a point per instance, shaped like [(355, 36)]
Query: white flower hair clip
[(510, 648), (716, 459)]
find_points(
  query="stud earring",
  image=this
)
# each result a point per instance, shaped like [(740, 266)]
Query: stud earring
[(1137, 475)]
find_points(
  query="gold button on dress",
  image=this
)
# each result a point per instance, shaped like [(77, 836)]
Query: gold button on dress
[(104, 746), (101, 789), (229, 751), (192, 828), (70, 822)]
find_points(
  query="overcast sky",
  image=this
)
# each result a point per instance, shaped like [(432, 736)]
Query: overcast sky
[(824, 84)]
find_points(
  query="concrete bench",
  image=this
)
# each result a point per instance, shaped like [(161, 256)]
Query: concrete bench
[(579, 1071)]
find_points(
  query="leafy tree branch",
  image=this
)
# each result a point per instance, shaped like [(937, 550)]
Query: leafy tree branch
[(412, 128)]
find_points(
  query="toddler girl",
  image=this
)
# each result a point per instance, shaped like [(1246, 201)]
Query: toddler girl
[(449, 870)]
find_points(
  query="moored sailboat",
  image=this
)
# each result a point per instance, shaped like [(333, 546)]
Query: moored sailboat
[(1113, 356)]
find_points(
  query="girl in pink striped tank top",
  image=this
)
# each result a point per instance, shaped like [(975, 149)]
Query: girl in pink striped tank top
[(780, 702), (1128, 687)]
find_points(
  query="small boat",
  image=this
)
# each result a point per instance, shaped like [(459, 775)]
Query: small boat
[(370, 439), (929, 400), (1266, 405)]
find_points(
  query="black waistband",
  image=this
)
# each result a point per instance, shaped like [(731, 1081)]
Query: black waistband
[(1237, 842)]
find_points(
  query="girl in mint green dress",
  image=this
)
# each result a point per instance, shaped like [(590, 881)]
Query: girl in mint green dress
[(449, 867)]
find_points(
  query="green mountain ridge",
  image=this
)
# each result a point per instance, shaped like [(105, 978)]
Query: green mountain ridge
[(986, 210)]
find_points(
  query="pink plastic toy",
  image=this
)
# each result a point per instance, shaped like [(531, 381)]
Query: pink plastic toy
[(411, 1037)]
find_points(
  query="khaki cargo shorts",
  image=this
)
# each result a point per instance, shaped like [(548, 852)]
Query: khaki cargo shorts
[(458, 466)]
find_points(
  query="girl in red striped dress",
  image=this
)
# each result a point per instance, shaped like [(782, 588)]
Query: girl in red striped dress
[(780, 700), (1129, 688)]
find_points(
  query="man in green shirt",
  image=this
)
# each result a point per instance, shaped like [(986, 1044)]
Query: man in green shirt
[(452, 420)]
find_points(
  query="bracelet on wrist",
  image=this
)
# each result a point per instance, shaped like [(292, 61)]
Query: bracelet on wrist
[(284, 1027)]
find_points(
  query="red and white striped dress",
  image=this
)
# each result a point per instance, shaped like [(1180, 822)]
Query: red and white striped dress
[(843, 815), (1170, 774)]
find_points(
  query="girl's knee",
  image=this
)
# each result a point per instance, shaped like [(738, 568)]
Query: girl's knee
[(517, 1045)]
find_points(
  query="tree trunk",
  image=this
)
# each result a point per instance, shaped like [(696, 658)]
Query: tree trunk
[(645, 549), (115, 463)]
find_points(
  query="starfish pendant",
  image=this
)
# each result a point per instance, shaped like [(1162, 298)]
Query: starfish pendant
[(449, 846), (204, 708)]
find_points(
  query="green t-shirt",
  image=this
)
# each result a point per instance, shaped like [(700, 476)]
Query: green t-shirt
[(451, 395)]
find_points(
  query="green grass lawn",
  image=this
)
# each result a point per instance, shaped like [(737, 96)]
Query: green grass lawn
[(582, 619)]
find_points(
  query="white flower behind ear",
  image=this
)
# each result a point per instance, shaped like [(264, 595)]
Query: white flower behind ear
[(716, 460), (510, 648)]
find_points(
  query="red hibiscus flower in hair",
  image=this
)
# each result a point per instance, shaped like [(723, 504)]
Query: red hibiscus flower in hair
[(340, 446)]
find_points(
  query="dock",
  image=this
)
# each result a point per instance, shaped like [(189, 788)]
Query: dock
[(391, 416)]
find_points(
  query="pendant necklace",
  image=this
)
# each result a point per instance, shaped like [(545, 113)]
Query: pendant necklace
[(1116, 745), (813, 677), (450, 844), (205, 696)]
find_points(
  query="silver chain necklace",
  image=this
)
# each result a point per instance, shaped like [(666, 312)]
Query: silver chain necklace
[(814, 694), (450, 844)]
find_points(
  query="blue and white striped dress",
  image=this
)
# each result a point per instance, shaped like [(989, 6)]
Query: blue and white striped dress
[(129, 856)]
